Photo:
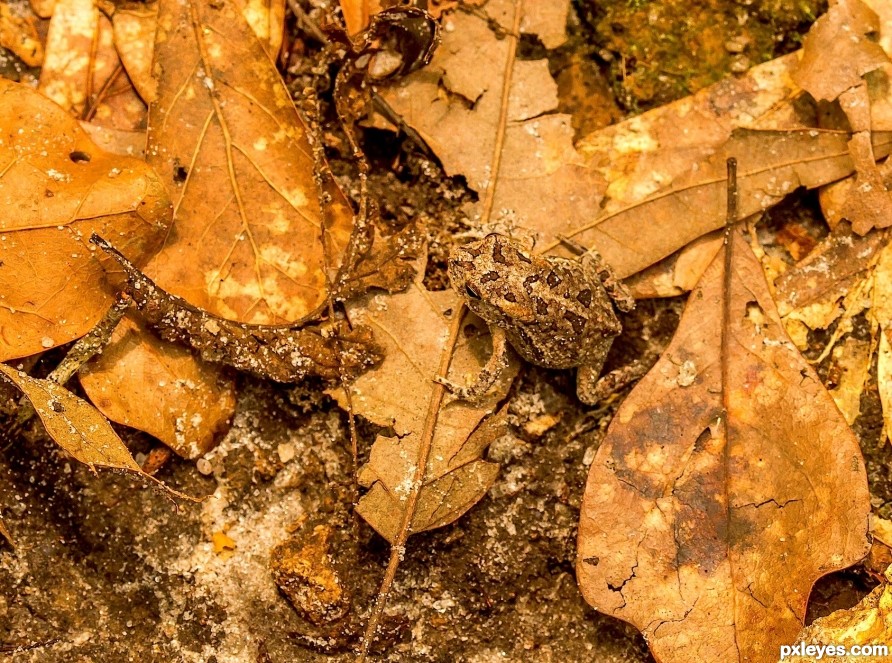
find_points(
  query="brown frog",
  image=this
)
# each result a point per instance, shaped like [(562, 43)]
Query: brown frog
[(556, 312)]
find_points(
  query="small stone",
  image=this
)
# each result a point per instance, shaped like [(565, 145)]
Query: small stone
[(203, 465)]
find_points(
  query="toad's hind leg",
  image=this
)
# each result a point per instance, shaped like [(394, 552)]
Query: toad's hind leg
[(488, 375), (592, 387)]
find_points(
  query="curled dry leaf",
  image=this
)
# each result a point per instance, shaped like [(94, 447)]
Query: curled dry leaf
[(285, 354), (77, 426), (57, 188), (18, 33), (726, 485), (82, 72), (868, 623), (168, 373), (412, 327)]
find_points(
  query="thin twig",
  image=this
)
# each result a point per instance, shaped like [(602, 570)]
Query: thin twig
[(496, 161), (398, 545)]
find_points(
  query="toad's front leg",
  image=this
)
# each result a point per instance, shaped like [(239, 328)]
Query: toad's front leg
[(488, 375)]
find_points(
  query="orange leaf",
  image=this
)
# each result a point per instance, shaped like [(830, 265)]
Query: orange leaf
[(57, 188)]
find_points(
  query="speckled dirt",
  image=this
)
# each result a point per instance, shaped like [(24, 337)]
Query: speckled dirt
[(108, 570)]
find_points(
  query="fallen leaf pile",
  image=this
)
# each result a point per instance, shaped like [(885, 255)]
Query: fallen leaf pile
[(162, 160)]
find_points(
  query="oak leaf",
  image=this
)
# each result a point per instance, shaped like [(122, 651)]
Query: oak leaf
[(57, 188), (727, 483), (412, 327)]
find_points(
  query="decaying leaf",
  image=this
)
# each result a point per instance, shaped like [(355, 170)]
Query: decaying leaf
[(82, 72), (727, 483), (412, 327), (57, 188), (836, 52), (18, 33), (455, 102), (868, 623), (203, 394)]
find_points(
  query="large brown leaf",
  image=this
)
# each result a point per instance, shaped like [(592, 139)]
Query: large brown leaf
[(249, 241), (56, 188), (727, 483)]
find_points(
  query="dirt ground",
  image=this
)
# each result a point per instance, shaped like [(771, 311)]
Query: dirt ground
[(108, 570)]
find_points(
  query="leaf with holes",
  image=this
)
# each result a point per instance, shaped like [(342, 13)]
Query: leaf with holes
[(57, 188)]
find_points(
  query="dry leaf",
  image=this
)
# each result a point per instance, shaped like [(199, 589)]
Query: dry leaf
[(247, 237), (204, 396), (135, 25), (74, 424), (82, 72), (868, 623), (836, 52), (43, 8), (78, 427), (134, 28), (727, 483), (772, 165), (852, 358), (18, 33), (412, 327), (455, 102), (57, 188), (247, 240)]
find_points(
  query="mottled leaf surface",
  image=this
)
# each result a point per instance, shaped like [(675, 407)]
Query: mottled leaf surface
[(727, 484)]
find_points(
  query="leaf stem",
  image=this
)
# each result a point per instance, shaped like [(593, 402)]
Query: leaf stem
[(498, 148), (398, 545)]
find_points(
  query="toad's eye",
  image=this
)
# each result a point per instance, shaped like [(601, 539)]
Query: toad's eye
[(470, 292)]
